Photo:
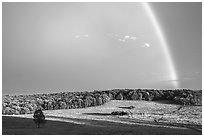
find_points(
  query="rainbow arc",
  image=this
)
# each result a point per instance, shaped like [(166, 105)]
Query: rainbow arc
[(164, 44)]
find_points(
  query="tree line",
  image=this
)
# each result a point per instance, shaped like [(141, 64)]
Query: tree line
[(27, 104)]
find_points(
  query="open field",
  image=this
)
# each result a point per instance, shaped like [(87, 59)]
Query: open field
[(149, 118)]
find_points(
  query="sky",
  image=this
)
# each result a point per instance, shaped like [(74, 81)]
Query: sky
[(54, 47)]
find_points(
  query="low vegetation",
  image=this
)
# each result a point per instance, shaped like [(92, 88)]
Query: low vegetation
[(27, 104)]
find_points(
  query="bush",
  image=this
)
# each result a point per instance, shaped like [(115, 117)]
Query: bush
[(158, 94), (134, 96), (120, 113), (140, 96), (119, 96), (8, 111), (146, 95), (105, 98)]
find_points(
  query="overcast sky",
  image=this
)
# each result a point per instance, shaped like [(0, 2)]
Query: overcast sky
[(53, 47)]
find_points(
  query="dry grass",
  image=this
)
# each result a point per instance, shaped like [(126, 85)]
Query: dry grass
[(145, 110)]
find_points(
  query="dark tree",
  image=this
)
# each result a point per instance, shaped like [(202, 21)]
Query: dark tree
[(39, 117)]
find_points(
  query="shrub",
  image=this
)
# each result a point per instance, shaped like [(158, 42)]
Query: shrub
[(8, 111), (80, 101), (63, 105), (134, 96), (110, 96), (99, 100), (140, 96), (105, 98), (146, 95), (119, 96), (120, 113)]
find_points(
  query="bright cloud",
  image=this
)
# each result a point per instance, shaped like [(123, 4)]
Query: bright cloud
[(126, 37), (146, 45), (122, 38)]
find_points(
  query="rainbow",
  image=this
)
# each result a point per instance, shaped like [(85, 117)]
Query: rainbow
[(172, 71)]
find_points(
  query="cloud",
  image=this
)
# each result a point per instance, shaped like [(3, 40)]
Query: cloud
[(81, 36), (121, 40), (146, 45), (130, 37), (86, 36), (126, 37), (133, 38)]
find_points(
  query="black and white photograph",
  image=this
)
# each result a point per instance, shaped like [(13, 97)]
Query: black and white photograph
[(102, 68)]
